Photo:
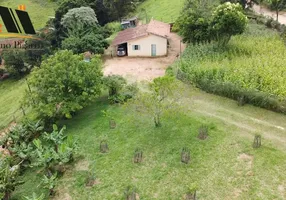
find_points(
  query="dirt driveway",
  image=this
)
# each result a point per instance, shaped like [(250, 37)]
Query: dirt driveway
[(138, 69)]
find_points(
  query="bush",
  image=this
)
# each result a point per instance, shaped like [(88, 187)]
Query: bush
[(118, 89), (113, 27), (15, 62)]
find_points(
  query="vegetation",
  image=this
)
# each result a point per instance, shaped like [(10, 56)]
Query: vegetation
[(159, 100), (8, 178), (189, 156), (163, 10), (228, 20), (12, 93), (161, 175), (243, 68), (14, 62), (277, 5), (197, 25), (63, 85)]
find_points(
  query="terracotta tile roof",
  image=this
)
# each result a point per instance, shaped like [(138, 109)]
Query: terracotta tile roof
[(154, 27), (158, 28)]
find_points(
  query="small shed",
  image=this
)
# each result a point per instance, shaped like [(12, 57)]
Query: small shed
[(128, 23), (148, 40)]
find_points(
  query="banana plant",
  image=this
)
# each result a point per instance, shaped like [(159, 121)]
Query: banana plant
[(35, 197), (8, 178)]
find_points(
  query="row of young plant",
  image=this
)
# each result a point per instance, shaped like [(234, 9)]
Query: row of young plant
[(132, 193)]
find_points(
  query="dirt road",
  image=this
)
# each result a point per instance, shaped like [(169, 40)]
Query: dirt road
[(265, 11), (246, 121)]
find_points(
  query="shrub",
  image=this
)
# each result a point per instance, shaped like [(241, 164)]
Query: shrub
[(19, 140), (113, 27), (15, 62), (118, 89), (54, 151)]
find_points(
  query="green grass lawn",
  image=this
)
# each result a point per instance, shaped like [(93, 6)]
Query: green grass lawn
[(224, 166), (12, 93), (39, 10), (162, 10)]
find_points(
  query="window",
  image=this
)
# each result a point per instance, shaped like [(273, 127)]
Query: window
[(136, 47)]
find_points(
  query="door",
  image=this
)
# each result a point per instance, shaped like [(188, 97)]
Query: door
[(153, 49)]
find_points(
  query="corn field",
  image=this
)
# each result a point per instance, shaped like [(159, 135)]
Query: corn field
[(254, 61)]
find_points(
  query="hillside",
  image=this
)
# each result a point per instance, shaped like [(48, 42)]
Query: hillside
[(39, 10), (162, 10)]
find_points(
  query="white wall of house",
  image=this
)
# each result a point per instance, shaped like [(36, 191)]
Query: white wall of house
[(144, 46)]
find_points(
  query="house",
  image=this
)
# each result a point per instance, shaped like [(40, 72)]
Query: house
[(148, 40), (128, 23)]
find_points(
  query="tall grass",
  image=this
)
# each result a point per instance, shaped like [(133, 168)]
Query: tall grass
[(254, 61)]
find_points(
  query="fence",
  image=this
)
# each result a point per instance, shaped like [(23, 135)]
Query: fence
[(8, 118)]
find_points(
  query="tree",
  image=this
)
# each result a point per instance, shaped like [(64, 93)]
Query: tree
[(35, 51), (277, 5), (91, 42), (63, 85), (194, 26), (63, 8), (194, 22), (83, 32), (119, 8), (83, 16), (159, 100), (8, 178), (243, 3), (228, 20)]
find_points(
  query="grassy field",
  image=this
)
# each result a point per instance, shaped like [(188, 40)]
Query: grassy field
[(225, 166), (11, 94), (252, 61), (39, 10), (163, 10)]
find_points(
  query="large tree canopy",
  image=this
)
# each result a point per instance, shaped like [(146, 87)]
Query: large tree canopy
[(228, 20), (64, 84), (83, 16), (196, 25)]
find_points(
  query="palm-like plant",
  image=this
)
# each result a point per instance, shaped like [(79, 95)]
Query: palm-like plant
[(35, 197), (8, 178)]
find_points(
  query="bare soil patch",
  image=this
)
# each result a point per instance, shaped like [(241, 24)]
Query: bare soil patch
[(82, 165)]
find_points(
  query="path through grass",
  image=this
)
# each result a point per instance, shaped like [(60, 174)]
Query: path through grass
[(12, 93)]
